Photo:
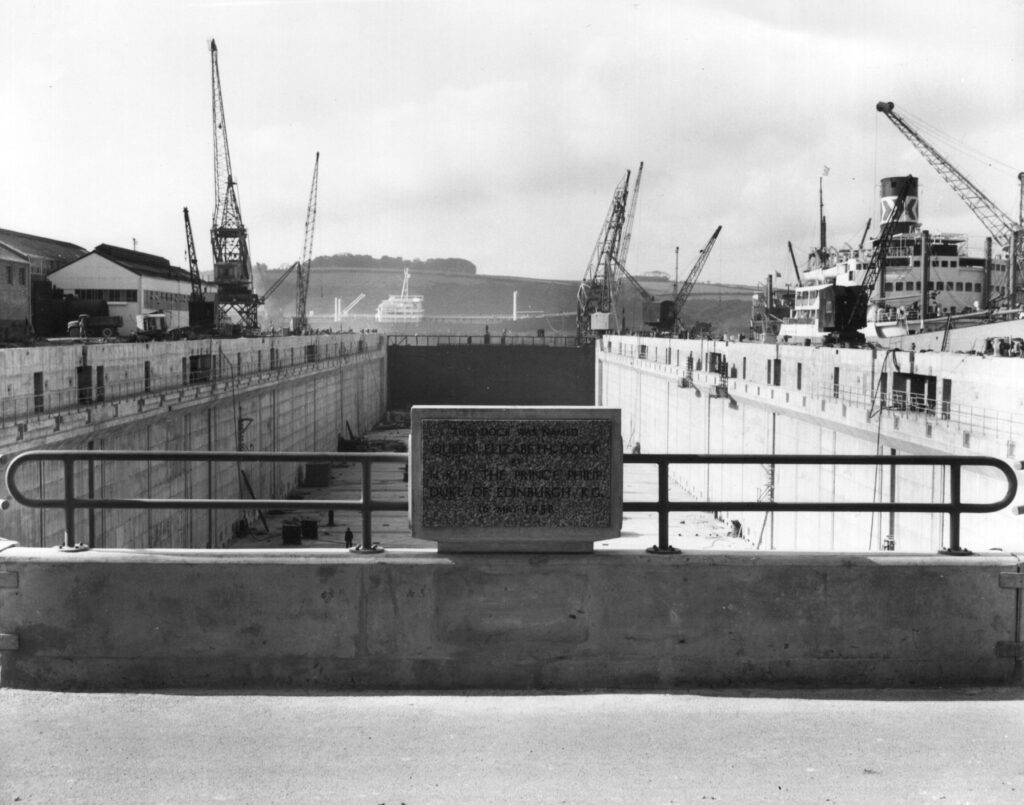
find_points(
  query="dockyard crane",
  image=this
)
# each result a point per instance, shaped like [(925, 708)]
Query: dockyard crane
[(300, 322), (596, 297), (232, 269), (201, 313), (672, 310), (627, 230), (1004, 230), (277, 283), (796, 268), (855, 314)]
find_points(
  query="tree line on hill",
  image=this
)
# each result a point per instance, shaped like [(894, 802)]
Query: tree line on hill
[(445, 265)]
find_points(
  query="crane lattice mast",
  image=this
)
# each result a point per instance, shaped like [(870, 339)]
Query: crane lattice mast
[(691, 280), (232, 269), (858, 310), (598, 290), (300, 323), (1004, 230), (193, 262)]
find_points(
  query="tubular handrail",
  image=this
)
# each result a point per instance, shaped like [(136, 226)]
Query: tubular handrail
[(954, 507), (70, 502)]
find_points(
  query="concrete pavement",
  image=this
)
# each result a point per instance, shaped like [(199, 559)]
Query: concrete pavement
[(949, 746)]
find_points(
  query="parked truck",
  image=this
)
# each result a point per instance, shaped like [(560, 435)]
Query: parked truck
[(86, 326)]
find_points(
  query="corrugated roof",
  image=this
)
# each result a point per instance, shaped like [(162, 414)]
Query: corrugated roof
[(61, 252), (147, 265)]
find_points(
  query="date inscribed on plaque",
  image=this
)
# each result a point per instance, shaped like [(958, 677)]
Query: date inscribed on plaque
[(516, 473)]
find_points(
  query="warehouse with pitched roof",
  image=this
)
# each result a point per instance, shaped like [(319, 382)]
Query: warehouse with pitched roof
[(130, 282)]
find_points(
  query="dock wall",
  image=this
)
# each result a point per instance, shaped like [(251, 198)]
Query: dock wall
[(262, 394), (493, 373), (687, 396), (419, 620)]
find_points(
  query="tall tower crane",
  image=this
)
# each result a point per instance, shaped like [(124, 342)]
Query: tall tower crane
[(299, 322), (1004, 230), (232, 269), (597, 296)]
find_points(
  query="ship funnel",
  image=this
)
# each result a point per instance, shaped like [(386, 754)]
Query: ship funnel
[(890, 190)]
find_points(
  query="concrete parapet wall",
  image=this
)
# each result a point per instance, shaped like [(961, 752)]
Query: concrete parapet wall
[(421, 620)]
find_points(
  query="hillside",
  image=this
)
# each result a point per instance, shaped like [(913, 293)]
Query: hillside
[(448, 295)]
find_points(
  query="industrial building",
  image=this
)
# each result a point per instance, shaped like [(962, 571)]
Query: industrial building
[(130, 282), (24, 259)]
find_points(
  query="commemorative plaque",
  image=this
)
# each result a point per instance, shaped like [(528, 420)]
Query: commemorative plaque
[(515, 479)]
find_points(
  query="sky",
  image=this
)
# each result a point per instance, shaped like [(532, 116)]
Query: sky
[(497, 131)]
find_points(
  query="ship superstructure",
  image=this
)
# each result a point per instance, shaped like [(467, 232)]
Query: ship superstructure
[(400, 308), (921, 276)]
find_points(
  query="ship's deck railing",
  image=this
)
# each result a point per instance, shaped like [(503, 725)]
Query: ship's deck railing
[(72, 500), (954, 507), (968, 417), (489, 339), (216, 368)]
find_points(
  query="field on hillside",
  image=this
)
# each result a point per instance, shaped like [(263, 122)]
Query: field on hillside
[(726, 307)]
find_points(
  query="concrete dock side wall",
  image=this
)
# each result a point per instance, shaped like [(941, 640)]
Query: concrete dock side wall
[(257, 394), (717, 397), (422, 620)]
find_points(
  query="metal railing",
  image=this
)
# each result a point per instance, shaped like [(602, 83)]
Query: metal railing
[(968, 417), (954, 507), (72, 501)]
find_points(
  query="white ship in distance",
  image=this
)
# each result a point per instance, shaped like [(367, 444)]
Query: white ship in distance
[(401, 307)]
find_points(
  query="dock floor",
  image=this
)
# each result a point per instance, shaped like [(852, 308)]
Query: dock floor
[(687, 531)]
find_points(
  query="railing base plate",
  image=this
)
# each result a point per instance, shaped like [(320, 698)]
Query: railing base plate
[(375, 548), (659, 549)]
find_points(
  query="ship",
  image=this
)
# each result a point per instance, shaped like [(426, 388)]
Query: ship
[(402, 308), (908, 298)]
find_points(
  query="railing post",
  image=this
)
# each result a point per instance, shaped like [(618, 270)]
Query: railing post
[(366, 510), (954, 513), (663, 546), (69, 504)]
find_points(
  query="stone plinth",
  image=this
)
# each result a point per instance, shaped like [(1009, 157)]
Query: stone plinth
[(545, 479)]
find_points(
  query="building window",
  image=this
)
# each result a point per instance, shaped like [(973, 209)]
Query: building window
[(799, 376), (21, 275), (10, 275), (899, 286), (888, 286)]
